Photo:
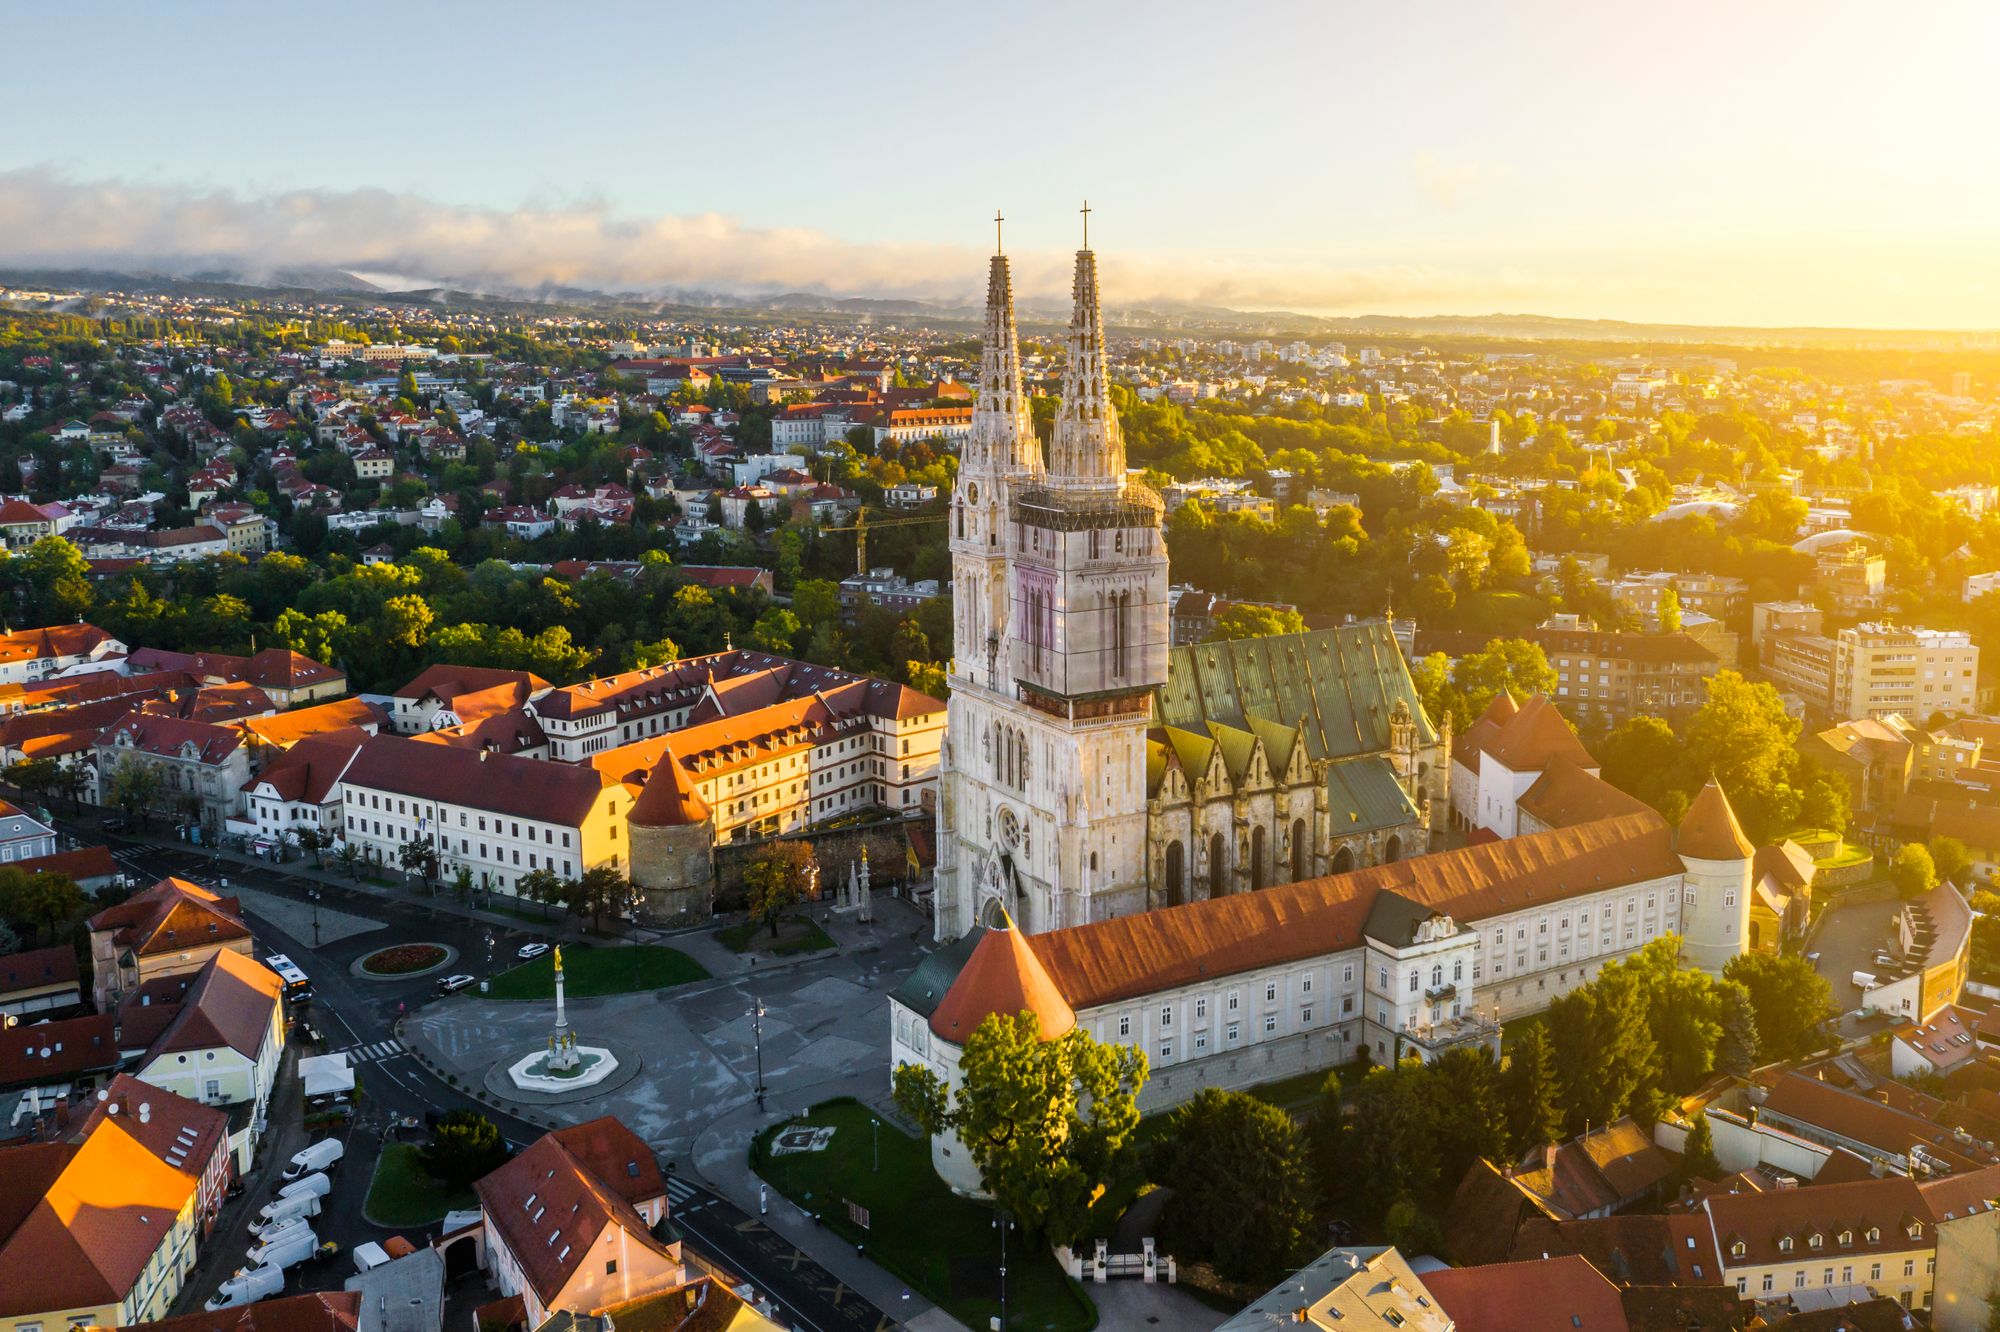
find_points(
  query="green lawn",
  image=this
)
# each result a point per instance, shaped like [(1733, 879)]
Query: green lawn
[(942, 1244), (755, 936), (404, 1194), (589, 971)]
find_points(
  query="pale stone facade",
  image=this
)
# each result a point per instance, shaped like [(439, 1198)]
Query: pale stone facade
[(1089, 772)]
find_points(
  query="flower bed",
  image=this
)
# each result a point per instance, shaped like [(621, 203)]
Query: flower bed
[(402, 959)]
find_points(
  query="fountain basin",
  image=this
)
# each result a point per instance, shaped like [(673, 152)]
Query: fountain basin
[(533, 1072)]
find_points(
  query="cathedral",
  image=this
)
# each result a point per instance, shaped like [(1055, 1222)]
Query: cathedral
[(1092, 772)]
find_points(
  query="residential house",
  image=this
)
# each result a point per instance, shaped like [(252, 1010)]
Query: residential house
[(564, 1236), (198, 768), (299, 789), (29, 655), (225, 1044), (97, 1233), (1848, 1240), (495, 815), (40, 982), (187, 1135), (169, 929)]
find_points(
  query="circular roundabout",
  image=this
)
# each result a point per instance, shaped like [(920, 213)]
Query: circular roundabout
[(402, 961)]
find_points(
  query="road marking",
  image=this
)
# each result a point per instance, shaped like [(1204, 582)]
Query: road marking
[(373, 1051)]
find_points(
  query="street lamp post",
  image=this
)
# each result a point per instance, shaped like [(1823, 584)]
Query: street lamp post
[(876, 1125), (313, 893), (1003, 1225), (757, 1029)]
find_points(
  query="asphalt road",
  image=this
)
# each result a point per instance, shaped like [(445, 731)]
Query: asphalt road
[(360, 1016)]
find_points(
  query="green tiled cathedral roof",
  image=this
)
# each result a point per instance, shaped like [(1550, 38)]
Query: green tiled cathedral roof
[(1342, 684)]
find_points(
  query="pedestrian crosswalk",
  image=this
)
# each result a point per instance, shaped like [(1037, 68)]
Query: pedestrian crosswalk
[(683, 1195), (373, 1051)]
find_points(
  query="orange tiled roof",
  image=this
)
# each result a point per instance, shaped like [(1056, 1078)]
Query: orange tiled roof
[(1710, 830), (1132, 955), (1003, 975), (80, 1221)]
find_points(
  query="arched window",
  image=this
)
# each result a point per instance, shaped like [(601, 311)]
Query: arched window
[(1437, 975), (1393, 851), (1298, 849), (1256, 859), (1176, 890), (1343, 860), (961, 520), (1215, 888)]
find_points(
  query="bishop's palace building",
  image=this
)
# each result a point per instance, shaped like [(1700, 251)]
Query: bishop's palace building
[(1224, 853)]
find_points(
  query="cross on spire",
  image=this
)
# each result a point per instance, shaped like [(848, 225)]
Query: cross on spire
[(1086, 224), (998, 248)]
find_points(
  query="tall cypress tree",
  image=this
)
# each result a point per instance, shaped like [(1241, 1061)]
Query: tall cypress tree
[(1529, 1091)]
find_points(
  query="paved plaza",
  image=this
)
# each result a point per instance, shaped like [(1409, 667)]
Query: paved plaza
[(825, 1032)]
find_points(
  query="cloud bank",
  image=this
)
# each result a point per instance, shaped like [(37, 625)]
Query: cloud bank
[(50, 219)]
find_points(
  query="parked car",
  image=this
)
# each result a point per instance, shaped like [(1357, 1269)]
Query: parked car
[(322, 1155), (259, 1283), (282, 1211), (453, 984), (289, 1248), (531, 950), (316, 1184)]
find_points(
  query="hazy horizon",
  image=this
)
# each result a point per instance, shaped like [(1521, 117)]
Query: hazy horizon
[(1794, 165)]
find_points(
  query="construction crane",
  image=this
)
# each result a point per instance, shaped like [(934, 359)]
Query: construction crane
[(862, 526)]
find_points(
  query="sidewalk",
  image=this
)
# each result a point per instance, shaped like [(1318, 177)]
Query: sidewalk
[(721, 1158)]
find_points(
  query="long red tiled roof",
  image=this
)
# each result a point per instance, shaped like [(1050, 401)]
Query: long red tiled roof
[(79, 1222), (1138, 954), (170, 916), (1760, 1221), (313, 1311), (38, 967), (504, 783), (231, 1003), (550, 1210), (1559, 1295)]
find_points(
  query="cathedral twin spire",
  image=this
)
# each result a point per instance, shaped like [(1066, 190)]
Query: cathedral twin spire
[(1088, 450)]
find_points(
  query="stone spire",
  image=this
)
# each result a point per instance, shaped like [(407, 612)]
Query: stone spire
[(1088, 452), (1003, 437)]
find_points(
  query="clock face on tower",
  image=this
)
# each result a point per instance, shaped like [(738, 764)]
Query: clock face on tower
[(1010, 827)]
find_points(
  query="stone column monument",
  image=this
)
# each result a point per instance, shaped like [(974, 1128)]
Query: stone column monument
[(562, 1041)]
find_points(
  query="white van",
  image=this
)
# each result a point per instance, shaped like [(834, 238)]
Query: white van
[(322, 1155), (1862, 980), (369, 1256), (281, 1212), (259, 1283), (317, 1184), (294, 1244)]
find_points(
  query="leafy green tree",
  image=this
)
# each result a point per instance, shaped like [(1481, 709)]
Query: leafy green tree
[(1047, 1123), (1670, 611), (1504, 663), (1912, 870), (1529, 1090), (34, 777), (1606, 1058), (816, 601), (775, 630), (1791, 1000), (778, 877), (597, 890), (1736, 1050), (1238, 1170), (465, 1146), (542, 885), (1432, 677), (1949, 858), (418, 857), (1742, 736), (134, 787), (349, 859), (1642, 757), (1326, 1143), (1698, 1159), (1472, 1112), (1246, 621)]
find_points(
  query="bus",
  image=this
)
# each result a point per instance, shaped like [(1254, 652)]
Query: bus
[(298, 986)]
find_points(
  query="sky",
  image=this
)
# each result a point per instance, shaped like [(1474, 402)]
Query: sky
[(1775, 163)]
